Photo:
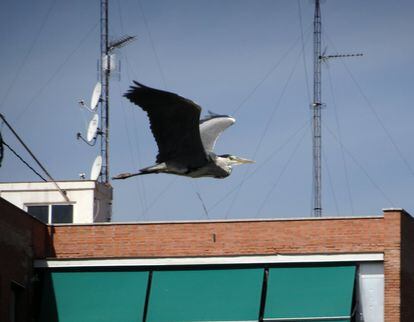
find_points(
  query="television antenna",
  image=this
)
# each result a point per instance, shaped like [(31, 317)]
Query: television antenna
[(318, 59), (100, 95)]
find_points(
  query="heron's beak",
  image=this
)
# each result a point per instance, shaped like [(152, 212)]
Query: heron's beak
[(238, 160)]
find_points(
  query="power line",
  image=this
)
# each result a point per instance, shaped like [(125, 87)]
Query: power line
[(24, 162), (335, 108), (381, 123), (361, 167), (328, 172), (34, 158), (303, 51), (276, 183), (17, 74), (40, 91), (267, 75), (266, 128), (271, 156), (152, 43)]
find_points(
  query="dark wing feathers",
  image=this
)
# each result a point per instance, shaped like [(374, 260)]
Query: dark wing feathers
[(174, 123)]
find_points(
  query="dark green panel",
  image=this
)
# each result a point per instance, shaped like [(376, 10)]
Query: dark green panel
[(298, 292), (93, 296), (205, 295)]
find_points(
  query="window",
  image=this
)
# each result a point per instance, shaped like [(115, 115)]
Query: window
[(40, 212), (56, 214), (62, 214)]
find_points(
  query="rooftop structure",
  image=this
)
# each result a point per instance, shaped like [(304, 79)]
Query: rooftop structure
[(315, 269), (89, 201)]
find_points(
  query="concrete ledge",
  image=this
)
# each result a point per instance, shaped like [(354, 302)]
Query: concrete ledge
[(231, 260)]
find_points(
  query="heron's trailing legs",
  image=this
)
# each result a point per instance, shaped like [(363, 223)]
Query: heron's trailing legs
[(153, 169), (127, 175)]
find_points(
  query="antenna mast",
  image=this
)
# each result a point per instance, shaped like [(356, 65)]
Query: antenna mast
[(317, 106), (105, 70), (318, 59)]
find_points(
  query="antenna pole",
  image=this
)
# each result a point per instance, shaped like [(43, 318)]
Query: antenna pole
[(104, 77), (316, 107)]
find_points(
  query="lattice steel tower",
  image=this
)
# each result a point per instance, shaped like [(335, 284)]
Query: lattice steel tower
[(104, 78), (316, 108)]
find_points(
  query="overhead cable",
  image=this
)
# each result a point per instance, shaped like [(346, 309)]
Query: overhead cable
[(335, 108), (267, 75), (28, 53), (34, 158), (361, 167), (24, 162), (40, 91), (266, 128)]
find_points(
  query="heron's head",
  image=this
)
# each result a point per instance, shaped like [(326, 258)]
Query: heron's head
[(232, 160)]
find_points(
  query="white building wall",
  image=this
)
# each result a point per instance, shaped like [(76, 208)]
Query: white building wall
[(91, 200), (370, 292)]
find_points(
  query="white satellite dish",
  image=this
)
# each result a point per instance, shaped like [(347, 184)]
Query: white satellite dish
[(96, 95), (96, 168), (92, 128)]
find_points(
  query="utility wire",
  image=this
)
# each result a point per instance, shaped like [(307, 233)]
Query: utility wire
[(133, 162), (330, 183), (22, 160), (158, 61), (303, 52), (201, 199), (381, 123), (28, 53), (135, 130), (139, 184), (144, 17), (361, 167), (373, 110), (162, 192), (267, 75), (276, 183), (335, 108), (265, 130), (34, 158), (40, 91), (271, 156)]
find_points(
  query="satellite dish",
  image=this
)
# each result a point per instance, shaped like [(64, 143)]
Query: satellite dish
[(96, 168), (96, 95), (92, 128)]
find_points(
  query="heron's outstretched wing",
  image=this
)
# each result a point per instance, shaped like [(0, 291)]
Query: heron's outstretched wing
[(174, 124), (211, 127)]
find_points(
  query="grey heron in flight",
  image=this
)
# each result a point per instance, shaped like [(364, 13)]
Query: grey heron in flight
[(185, 143)]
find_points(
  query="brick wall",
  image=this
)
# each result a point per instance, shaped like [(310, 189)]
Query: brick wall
[(22, 238), (220, 238), (407, 268), (392, 266), (305, 236)]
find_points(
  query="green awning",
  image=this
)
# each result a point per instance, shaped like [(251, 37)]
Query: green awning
[(205, 295), (310, 293), (93, 296)]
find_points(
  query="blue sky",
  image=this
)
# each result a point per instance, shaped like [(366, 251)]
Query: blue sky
[(239, 57)]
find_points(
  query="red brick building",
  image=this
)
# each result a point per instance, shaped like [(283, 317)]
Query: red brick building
[(38, 260)]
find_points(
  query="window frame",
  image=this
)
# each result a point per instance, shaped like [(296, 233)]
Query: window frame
[(49, 209)]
